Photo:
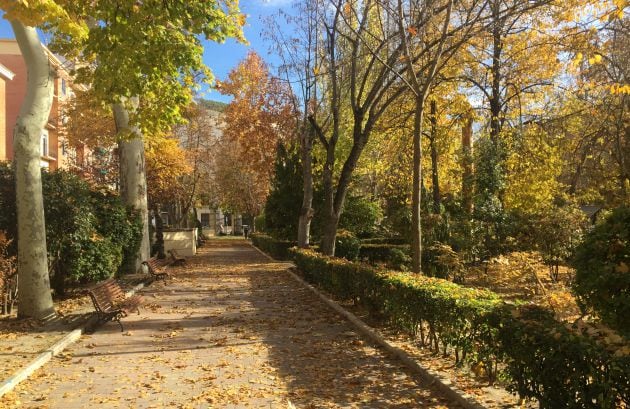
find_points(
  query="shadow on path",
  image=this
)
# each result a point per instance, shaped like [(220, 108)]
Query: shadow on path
[(230, 330)]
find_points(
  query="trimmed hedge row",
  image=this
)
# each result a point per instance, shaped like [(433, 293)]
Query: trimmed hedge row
[(393, 255), (539, 357), (278, 249), (385, 240)]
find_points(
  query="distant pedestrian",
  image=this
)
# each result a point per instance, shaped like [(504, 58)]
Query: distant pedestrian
[(246, 231)]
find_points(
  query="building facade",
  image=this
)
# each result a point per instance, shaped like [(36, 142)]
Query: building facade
[(6, 76), (56, 153)]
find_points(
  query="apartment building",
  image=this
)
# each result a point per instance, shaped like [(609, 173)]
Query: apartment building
[(6, 75), (55, 151)]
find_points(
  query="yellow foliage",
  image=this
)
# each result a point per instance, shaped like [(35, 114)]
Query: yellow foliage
[(533, 167), (166, 165), (47, 14)]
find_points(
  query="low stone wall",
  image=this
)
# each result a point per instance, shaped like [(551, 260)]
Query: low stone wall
[(182, 240)]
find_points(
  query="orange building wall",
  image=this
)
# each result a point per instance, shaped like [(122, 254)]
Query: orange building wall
[(11, 57), (3, 120), (15, 92)]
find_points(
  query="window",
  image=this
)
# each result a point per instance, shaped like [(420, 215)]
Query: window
[(45, 143), (165, 220), (205, 219), (63, 87)]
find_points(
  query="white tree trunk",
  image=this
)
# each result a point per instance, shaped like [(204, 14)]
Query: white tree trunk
[(35, 300), (133, 181), (306, 212)]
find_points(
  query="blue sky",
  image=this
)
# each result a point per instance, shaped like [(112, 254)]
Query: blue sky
[(221, 58)]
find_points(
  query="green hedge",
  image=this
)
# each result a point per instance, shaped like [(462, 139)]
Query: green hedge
[(278, 249), (347, 245), (395, 256), (539, 357), (385, 240), (89, 231), (602, 271)]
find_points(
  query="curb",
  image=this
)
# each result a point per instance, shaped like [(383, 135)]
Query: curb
[(443, 384), (73, 336)]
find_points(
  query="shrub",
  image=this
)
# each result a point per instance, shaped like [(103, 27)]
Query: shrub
[(8, 215), (602, 264), (360, 216), (87, 230), (120, 223), (394, 256), (398, 217), (259, 223), (8, 276), (278, 249), (399, 259), (347, 245), (554, 229), (559, 230), (99, 259), (439, 260), (385, 240), (540, 358)]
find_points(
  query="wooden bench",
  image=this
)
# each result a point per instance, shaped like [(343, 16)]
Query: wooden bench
[(110, 302), (156, 268), (176, 258)]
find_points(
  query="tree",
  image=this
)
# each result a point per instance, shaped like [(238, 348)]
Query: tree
[(592, 115), (281, 209), (361, 65), (508, 66), (300, 65), (431, 33), (199, 139), (118, 68), (167, 165), (34, 284), (159, 63), (260, 117), (90, 123), (241, 189)]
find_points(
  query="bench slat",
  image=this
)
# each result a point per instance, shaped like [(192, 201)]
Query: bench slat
[(177, 259), (156, 267), (110, 302)]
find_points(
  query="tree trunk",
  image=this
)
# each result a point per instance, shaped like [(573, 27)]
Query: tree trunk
[(467, 167), (329, 234), (306, 212), (496, 99), (34, 284), (416, 228), (159, 232), (329, 227), (335, 198), (495, 72), (434, 160), (133, 184)]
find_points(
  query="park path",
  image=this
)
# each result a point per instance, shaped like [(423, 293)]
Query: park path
[(230, 330)]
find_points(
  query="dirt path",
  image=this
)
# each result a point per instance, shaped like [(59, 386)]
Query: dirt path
[(230, 330)]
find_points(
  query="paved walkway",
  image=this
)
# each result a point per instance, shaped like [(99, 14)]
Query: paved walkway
[(231, 330)]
